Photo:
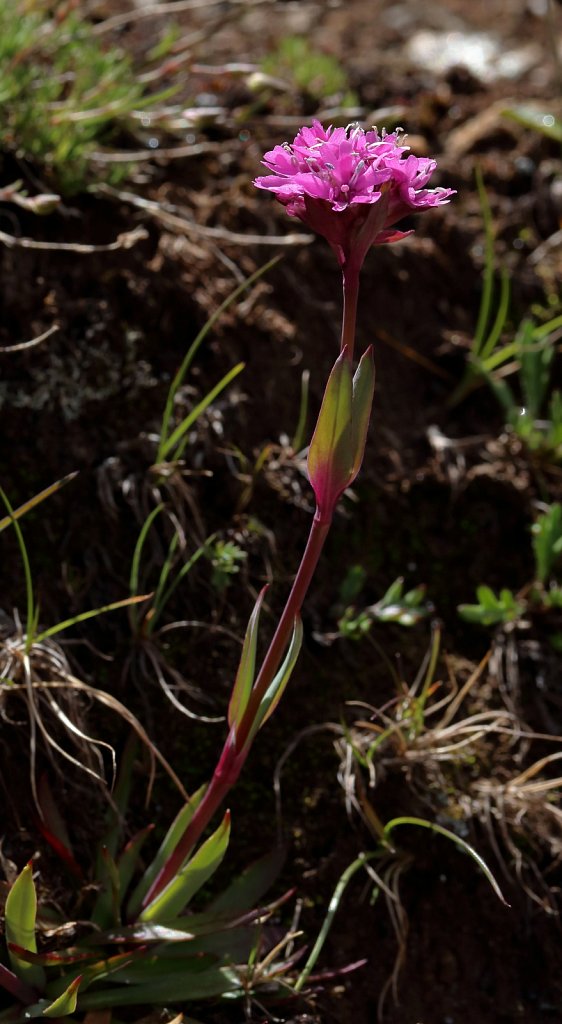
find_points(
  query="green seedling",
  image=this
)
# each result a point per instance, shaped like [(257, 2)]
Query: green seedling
[(541, 594), (407, 608)]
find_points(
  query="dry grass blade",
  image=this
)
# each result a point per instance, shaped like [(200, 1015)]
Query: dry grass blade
[(38, 674), (126, 240), (461, 760), (21, 346), (36, 500)]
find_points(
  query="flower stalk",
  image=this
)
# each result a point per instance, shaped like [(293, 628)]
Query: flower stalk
[(350, 186)]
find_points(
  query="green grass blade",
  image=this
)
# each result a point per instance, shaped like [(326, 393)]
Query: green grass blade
[(165, 572), (185, 569), (31, 613), (335, 901), (93, 613), (299, 438), (464, 846), (36, 500), (180, 431), (192, 351), (134, 577), (501, 317), (489, 266)]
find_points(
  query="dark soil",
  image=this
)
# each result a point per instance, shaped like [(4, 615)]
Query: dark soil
[(452, 516)]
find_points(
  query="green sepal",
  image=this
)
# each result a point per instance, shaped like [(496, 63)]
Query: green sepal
[(276, 688), (175, 897), (247, 667), (20, 917), (168, 844), (65, 1003), (361, 405), (330, 456)]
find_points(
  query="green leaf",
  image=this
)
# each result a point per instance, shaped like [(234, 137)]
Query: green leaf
[(361, 405), (247, 667), (193, 875), (128, 859), (547, 541), (248, 888), (66, 1003), (331, 452), (106, 909), (20, 916), (207, 984), (492, 610), (276, 688), (169, 843)]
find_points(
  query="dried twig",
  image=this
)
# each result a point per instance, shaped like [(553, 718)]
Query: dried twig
[(157, 10), (126, 240), (168, 214), (31, 343)]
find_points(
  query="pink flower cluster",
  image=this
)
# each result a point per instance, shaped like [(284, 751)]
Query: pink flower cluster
[(350, 185)]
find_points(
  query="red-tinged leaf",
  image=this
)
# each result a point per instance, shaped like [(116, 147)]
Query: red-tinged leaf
[(204, 862), (247, 667), (50, 959), (66, 1002), (60, 849), (168, 845), (16, 987)]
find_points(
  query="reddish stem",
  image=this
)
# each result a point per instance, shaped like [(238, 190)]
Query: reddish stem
[(237, 745), (350, 279)]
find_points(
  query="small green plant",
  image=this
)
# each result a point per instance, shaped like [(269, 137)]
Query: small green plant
[(492, 609), (534, 417), (530, 413), (226, 558), (318, 75), (541, 594), (406, 607), (63, 91)]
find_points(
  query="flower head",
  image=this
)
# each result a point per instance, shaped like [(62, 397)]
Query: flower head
[(350, 185)]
